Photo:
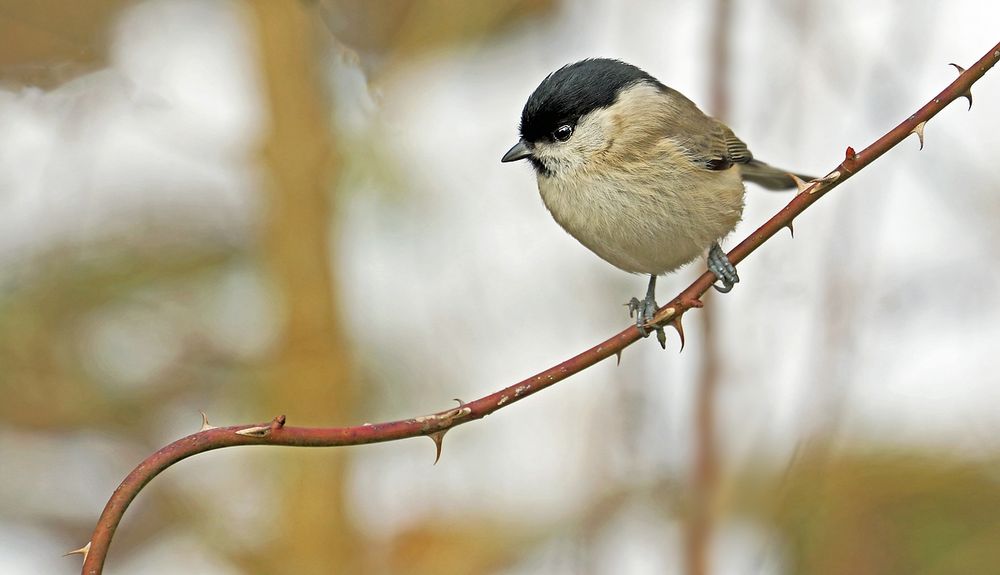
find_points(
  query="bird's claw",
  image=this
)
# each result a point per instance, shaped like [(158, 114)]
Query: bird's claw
[(637, 310), (643, 311), (724, 270)]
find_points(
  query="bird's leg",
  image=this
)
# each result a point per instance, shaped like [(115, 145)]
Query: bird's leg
[(645, 310), (719, 264)]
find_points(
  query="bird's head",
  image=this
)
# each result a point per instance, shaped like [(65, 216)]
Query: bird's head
[(576, 112)]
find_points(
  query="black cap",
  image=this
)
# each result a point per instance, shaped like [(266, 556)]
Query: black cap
[(575, 90)]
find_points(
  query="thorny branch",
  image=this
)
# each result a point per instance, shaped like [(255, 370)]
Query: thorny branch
[(435, 425)]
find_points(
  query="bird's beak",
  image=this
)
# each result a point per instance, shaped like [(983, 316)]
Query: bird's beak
[(519, 151)]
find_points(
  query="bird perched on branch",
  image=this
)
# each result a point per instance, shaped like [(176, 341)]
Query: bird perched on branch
[(636, 172)]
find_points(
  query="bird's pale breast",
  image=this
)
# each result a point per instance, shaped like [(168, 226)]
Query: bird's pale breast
[(651, 220)]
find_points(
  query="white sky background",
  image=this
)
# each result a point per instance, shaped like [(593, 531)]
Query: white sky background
[(463, 244)]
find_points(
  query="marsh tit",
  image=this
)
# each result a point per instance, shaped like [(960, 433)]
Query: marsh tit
[(636, 172)]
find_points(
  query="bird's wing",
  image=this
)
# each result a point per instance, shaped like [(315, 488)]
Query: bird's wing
[(735, 148), (708, 142), (711, 144), (723, 149)]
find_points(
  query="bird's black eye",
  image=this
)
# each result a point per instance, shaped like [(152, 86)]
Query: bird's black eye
[(563, 133)]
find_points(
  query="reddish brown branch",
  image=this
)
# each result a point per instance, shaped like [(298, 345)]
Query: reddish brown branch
[(276, 433)]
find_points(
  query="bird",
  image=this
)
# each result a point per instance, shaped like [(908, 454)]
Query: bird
[(637, 173)]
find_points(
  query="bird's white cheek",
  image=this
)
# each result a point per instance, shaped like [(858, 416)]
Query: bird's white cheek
[(558, 159)]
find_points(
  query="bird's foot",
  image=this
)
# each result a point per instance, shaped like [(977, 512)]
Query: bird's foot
[(643, 311), (724, 270)]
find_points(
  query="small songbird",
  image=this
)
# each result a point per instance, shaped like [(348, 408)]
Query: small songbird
[(636, 172)]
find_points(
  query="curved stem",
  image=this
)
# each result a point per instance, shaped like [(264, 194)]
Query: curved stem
[(276, 433)]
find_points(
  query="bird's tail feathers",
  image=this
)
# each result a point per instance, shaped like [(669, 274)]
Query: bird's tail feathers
[(768, 176)]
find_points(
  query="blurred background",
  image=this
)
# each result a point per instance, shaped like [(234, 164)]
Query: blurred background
[(267, 207)]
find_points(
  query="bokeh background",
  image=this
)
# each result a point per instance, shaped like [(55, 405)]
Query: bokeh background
[(267, 207)]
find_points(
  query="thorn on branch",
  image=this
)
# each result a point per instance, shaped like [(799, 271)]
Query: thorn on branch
[(205, 425), (800, 184), (81, 551), (919, 131), (692, 303), (447, 419), (677, 325), (438, 438), (791, 228), (618, 354), (968, 94)]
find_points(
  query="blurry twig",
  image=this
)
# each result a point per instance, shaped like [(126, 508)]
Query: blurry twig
[(435, 425), (703, 486)]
